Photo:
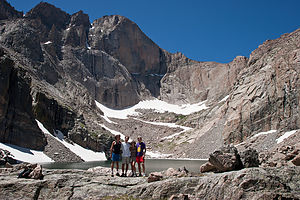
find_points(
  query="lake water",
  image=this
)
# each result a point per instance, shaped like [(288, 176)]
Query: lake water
[(152, 165)]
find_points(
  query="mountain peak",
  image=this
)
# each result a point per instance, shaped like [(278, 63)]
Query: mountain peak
[(7, 11), (49, 15)]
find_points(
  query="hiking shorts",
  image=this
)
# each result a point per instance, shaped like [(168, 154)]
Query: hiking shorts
[(125, 160), (139, 159), (132, 159), (115, 157)]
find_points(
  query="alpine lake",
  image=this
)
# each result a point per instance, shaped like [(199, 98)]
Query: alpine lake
[(151, 165)]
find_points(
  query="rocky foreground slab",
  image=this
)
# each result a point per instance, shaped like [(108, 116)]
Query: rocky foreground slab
[(249, 183)]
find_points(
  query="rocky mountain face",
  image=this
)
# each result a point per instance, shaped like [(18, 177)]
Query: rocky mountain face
[(71, 62), (17, 123)]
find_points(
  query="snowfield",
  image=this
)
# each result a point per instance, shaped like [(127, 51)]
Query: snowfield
[(285, 135), (26, 155), (85, 154), (264, 133), (157, 105)]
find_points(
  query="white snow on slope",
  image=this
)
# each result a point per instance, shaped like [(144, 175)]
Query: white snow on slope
[(25, 154), (171, 125), (85, 154), (224, 99), (49, 42), (156, 154), (113, 131), (285, 135), (157, 105), (264, 133)]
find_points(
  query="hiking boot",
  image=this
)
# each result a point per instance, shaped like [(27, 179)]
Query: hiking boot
[(140, 175), (112, 175), (123, 175), (117, 174)]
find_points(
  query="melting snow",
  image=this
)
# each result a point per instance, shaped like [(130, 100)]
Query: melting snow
[(49, 42), (171, 125), (263, 133), (158, 105), (285, 135), (224, 99), (157, 154), (85, 154), (25, 154), (114, 132)]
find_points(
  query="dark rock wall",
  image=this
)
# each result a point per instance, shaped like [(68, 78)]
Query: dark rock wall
[(17, 123), (52, 115)]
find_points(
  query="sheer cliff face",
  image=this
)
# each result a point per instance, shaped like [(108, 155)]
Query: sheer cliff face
[(17, 122), (71, 63), (267, 93)]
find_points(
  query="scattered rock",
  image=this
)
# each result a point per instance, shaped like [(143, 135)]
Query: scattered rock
[(296, 160), (226, 159), (207, 167), (249, 158), (179, 197), (155, 176)]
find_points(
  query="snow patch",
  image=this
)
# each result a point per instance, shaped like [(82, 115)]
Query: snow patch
[(25, 154), (84, 154), (224, 99), (114, 132), (263, 133), (285, 135), (157, 154), (49, 42), (171, 125), (108, 120), (157, 105)]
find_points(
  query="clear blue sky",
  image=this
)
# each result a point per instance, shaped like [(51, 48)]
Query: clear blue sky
[(203, 30)]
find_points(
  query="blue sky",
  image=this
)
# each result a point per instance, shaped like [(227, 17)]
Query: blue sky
[(203, 30)]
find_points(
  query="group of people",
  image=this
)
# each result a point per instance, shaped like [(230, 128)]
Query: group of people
[(130, 153)]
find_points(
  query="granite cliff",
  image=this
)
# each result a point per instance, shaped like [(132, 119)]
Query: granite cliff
[(72, 62)]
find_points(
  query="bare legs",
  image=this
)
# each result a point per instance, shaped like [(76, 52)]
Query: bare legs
[(125, 170), (143, 166), (112, 167), (133, 168)]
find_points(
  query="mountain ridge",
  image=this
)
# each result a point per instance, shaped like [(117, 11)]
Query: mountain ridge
[(72, 64)]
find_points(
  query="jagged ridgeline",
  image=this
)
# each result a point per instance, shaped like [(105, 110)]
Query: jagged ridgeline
[(55, 65)]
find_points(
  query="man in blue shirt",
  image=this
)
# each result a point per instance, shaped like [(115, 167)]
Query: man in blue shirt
[(140, 156)]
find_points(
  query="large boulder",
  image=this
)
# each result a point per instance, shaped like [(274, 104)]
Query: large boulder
[(225, 159), (249, 158)]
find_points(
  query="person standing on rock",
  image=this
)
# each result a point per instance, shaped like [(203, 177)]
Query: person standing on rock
[(115, 151), (125, 156), (140, 155), (133, 157)]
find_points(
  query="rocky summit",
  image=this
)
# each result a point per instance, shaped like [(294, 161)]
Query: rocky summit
[(69, 74)]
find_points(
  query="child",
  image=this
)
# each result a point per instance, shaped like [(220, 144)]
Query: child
[(140, 156), (115, 151), (125, 156), (133, 158)]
